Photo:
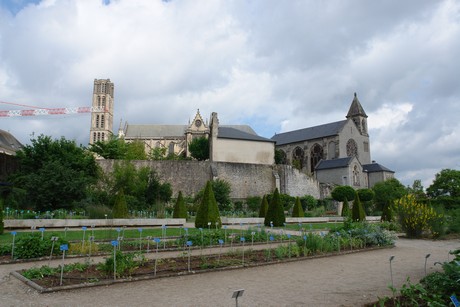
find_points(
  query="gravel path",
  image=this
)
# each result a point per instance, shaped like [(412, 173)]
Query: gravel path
[(348, 280)]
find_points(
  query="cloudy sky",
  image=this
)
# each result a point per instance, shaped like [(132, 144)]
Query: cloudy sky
[(276, 65)]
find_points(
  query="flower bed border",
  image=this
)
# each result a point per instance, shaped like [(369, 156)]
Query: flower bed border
[(41, 289)]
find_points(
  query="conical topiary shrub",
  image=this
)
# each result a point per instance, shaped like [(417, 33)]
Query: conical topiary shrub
[(345, 208), (387, 213), (275, 212), (358, 213), (263, 207), (297, 211), (208, 210), (120, 208), (180, 210)]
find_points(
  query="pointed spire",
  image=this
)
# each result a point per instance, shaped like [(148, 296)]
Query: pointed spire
[(356, 109)]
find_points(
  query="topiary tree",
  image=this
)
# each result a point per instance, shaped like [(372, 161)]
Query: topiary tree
[(208, 210), (297, 211), (275, 212), (180, 210), (263, 207), (120, 208), (358, 214), (345, 209), (343, 192)]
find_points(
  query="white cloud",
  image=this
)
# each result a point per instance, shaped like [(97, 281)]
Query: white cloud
[(277, 66)]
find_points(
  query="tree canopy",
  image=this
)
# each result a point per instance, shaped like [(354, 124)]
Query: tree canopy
[(342, 192), (445, 188), (117, 149), (199, 148), (54, 173), (386, 192)]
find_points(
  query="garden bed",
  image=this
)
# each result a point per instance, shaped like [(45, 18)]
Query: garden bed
[(94, 275)]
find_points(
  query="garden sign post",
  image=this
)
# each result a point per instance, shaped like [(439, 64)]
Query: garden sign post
[(12, 246), (63, 248)]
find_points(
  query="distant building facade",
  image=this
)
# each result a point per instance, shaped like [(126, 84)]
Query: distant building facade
[(337, 153)]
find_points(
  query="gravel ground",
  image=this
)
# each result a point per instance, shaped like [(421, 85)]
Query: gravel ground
[(347, 280)]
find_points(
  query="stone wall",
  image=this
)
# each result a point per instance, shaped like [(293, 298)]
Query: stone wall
[(245, 179)]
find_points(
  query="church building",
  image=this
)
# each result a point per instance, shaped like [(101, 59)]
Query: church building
[(336, 153)]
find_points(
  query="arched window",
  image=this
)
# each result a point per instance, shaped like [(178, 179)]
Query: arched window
[(103, 137), (352, 148), (98, 101), (102, 121), (316, 156), (103, 103), (298, 156), (97, 121)]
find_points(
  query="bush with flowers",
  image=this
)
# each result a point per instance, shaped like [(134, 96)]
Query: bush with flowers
[(415, 217)]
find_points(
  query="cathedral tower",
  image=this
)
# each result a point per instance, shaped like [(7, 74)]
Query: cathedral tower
[(102, 111), (357, 114)]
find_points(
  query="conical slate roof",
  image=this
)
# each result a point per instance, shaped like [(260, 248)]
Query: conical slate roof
[(356, 109)]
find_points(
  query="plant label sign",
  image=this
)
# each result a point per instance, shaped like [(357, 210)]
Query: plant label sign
[(64, 247)]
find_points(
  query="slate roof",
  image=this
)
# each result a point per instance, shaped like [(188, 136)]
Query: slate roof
[(356, 108), (8, 143), (311, 133), (375, 167), (233, 133), (152, 131), (334, 163)]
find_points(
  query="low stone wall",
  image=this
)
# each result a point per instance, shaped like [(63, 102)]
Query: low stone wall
[(74, 223), (291, 220)]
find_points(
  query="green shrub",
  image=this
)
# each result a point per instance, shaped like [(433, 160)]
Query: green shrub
[(414, 217), (208, 210), (253, 203), (308, 202), (32, 246), (275, 212), (263, 207), (345, 209), (358, 213), (297, 211), (98, 211), (453, 220), (120, 208), (125, 264), (180, 210)]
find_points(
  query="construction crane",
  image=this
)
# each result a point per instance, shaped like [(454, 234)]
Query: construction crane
[(36, 111)]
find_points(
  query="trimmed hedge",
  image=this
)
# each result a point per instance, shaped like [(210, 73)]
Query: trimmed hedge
[(298, 210)]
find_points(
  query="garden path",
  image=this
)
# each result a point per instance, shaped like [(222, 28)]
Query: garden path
[(347, 280)]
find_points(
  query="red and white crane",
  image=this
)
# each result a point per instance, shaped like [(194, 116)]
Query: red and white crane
[(36, 111)]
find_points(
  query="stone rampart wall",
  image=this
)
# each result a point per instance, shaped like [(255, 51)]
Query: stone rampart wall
[(245, 179)]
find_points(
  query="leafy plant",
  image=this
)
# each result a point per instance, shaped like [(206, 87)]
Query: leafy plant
[(125, 264), (297, 211), (275, 212), (208, 212), (32, 246), (180, 210)]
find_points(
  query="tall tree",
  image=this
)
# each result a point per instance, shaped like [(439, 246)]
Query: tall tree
[(199, 148), (180, 210), (263, 206), (445, 188), (208, 212), (54, 173), (298, 210), (275, 212)]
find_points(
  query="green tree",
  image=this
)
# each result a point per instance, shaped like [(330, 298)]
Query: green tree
[(275, 212), (199, 148), (280, 157), (117, 149), (120, 208), (54, 173), (222, 190), (208, 210), (342, 192), (445, 188), (386, 192), (180, 210), (357, 212), (366, 196), (157, 153), (263, 206), (298, 210), (345, 209), (308, 202)]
